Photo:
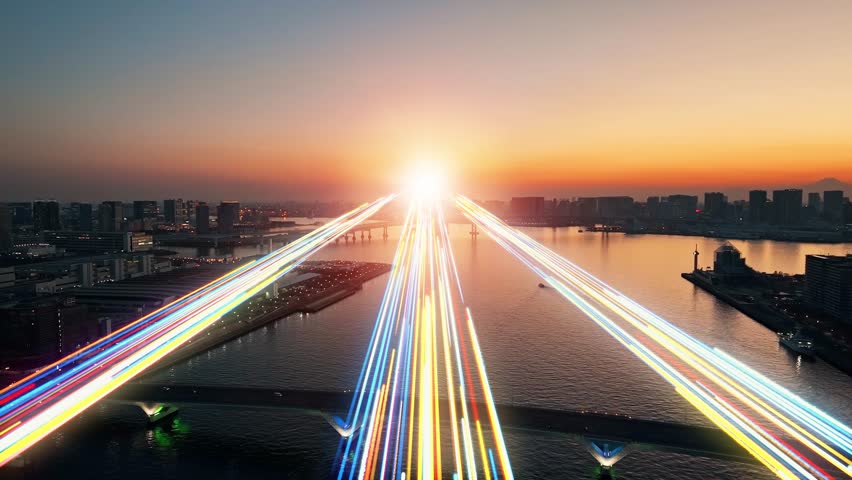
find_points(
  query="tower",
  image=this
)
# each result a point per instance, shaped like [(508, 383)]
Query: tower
[(695, 259)]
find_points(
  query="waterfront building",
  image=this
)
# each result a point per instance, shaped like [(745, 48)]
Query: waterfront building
[(828, 285), (652, 207), (228, 215), (832, 205), (715, 204), (680, 207), (526, 207), (614, 207), (202, 218), (729, 262), (815, 202), (757, 206), (787, 206)]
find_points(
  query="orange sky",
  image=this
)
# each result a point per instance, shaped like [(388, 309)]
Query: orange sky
[(311, 101)]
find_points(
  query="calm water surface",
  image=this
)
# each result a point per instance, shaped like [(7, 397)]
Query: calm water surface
[(538, 348)]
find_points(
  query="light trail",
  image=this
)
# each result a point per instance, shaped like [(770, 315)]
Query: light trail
[(417, 356), (39, 404), (827, 439)]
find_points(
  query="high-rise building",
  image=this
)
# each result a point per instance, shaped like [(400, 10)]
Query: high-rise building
[(22, 213), (45, 215), (847, 211), (110, 216), (815, 202), (757, 206), (526, 207), (228, 215), (652, 207), (614, 207), (79, 217), (832, 205), (787, 206), (680, 206), (202, 218), (828, 284), (586, 207), (5, 228), (715, 204), (170, 210), (145, 209), (175, 211)]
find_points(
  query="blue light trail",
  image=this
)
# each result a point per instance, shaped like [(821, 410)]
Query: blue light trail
[(744, 394)]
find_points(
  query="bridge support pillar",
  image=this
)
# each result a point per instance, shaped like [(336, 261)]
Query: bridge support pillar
[(607, 453), (339, 425), (157, 412)]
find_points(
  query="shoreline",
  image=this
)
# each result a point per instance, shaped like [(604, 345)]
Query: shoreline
[(823, 237), (205, 343), (824, 350)]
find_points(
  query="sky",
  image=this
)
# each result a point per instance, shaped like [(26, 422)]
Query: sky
[(337, 100)]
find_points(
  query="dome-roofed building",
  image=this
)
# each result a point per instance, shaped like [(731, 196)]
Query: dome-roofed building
[(728, 261)]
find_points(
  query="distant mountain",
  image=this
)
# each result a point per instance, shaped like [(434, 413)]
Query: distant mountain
[(828, 184)]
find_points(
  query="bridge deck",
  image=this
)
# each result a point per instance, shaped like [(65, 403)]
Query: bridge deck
[(690, 439)]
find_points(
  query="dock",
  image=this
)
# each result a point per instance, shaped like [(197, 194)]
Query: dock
[(825, 349)]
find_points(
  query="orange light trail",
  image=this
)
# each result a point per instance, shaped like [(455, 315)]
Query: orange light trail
[(417, 360), (697, 366)]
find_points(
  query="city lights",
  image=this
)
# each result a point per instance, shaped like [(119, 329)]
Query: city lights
[(39, 404)]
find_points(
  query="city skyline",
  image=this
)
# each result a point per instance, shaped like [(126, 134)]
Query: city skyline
[(426, 239), (314, 102), (559, 193)]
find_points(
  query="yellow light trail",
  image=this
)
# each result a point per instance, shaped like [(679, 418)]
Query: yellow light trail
[(54, 396), (811, 427), (423, 321)]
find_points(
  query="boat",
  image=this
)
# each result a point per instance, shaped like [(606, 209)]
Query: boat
[(541, 285), (580, 230), (797, 342)]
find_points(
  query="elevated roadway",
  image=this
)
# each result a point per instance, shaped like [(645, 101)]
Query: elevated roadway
[(657, 435)]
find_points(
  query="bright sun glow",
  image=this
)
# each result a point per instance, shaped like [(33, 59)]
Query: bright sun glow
[(427, 177)]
